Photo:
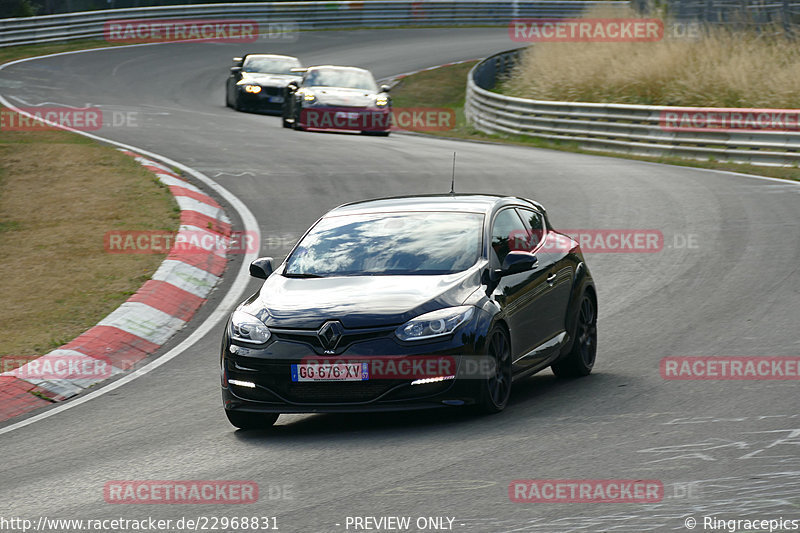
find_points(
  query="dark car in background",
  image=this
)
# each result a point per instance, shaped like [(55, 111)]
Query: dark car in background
[(257, 82), (331, 97), (480, 286)]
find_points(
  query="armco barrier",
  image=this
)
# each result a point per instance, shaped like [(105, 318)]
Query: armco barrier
[(303, 15), (631, 129)]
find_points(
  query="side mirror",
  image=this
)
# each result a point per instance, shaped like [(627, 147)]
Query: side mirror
[(292, 86), (516, 262), (385, 88), (236, 69), (237, 59), (261, 268)]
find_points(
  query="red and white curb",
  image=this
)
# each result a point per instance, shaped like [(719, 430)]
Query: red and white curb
[(146, 321)]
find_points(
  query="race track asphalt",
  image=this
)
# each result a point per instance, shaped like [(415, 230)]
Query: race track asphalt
[(727, 449)]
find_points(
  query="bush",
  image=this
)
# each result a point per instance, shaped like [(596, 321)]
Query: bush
[(721, 68), (16, 8)]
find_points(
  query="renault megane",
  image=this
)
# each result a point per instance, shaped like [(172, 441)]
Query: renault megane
[(410, 303)]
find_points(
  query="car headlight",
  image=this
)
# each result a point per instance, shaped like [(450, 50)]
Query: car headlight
[(308, 97), (247, 328), (435, 324), (382, 101), (255, 89)]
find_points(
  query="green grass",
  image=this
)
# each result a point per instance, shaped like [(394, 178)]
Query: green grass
[(12, 53)]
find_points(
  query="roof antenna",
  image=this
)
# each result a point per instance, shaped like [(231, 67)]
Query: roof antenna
[(453, 179)]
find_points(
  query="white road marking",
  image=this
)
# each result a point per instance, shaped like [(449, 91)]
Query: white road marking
[(250, 224), (144, 321), (237, 175), (186, 277), (190, 204), (55, 104)]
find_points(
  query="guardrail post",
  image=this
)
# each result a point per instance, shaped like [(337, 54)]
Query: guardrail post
[(786, 18)]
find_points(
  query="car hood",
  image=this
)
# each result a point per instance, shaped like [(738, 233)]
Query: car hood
[(335, 96), (268, 80), (357, 301)]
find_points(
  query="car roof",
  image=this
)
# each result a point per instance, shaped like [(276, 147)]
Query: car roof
[(336, 67), (271, 56), (461, 202)]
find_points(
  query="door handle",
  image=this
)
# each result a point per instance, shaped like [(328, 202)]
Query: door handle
[(551, 278)]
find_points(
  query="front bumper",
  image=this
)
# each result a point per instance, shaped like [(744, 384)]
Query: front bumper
[(269, 372), (269, 99), (343, 118)]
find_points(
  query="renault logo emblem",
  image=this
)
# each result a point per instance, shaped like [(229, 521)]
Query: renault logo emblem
[(329, 334)]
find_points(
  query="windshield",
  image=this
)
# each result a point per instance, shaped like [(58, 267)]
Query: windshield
[(348, 78), (270, 65), (415, 243)]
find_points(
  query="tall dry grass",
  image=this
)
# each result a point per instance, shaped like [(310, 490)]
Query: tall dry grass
[(720, 69)]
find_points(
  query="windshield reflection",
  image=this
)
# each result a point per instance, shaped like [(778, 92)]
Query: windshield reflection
[(270, 65), (347, 78), (432, 243)]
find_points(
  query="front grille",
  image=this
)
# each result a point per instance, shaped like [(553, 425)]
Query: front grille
[(258, 394), (276, 377), (336, 392), (272, 91), (349, 337), (342, 392)]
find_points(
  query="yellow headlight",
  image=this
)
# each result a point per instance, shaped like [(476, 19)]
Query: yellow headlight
[(382, 101), (309, 97), (255, 89)]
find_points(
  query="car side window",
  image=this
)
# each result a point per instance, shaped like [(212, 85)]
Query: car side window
[(508, 233), (535, 224)]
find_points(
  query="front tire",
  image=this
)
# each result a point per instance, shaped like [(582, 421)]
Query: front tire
[(495, 390), (245, 420), (296, 113), (285, 114), (580, 359)]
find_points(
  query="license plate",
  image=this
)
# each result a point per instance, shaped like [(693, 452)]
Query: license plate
[(330, 372), (347, 116), (276, 99)]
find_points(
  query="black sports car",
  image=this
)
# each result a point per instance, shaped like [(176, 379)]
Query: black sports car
[(338, 98), (258, 82), (410, 302)]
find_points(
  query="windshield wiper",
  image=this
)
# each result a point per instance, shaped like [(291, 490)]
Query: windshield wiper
[(302, 276)]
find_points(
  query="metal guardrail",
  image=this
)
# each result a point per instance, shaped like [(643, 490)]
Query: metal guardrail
[(759, 15), (305, 15), (632, 129)]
